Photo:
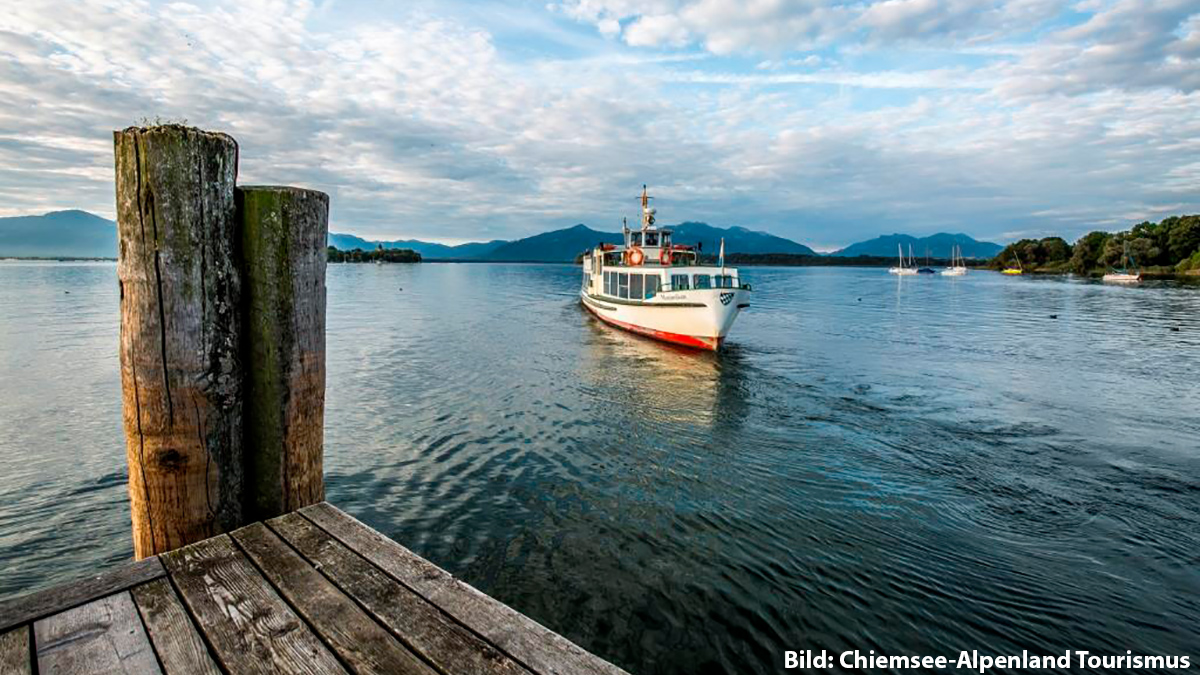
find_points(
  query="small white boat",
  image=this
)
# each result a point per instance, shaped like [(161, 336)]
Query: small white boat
[(957, 266), (904, 269), (1123, 275), (657, 288)]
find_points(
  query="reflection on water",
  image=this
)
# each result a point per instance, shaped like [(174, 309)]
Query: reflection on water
[(908, 465)]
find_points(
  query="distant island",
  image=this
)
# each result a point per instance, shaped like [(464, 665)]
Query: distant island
[(379, 254), (1166, 248)]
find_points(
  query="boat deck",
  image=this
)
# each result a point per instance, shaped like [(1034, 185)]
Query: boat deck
[(314, 591)]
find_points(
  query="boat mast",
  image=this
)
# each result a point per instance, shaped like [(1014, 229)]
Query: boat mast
[(647, 212)]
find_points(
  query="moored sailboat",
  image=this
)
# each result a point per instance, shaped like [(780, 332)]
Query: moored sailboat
[(1014, 270), (1123, 275), (905, 268), (958, 266), (655, 287)]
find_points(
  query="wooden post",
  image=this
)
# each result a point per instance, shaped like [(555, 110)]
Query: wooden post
[(180, 333), (283, 232)]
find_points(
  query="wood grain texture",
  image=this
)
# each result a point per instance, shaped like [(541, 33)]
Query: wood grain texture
[(363, 645), (33, 606), (176, 641), (284, 235), (425, 628), (250, 628), (103, 636), (180, 333), (15, 657), (522, 638)]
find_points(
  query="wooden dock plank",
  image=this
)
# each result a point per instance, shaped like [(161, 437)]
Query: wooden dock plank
[(522, 638), (179, 646), (251, 629), (33, 606), (363, 645), (103, 636), (15, 657), (425, 628)]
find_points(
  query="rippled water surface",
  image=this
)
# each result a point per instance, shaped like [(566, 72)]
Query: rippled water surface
[(916, 465)]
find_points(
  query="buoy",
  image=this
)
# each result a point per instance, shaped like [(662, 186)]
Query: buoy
[(1053, 316)]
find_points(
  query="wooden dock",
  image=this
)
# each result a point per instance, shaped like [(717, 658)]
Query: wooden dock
[(313, 591)]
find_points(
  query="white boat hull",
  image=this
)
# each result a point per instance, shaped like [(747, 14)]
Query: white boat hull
[(1117, 278), (698, 318), (902, 271), (954, 272)]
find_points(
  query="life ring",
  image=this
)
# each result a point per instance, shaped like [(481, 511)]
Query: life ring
[(664, 257), (635, 256)]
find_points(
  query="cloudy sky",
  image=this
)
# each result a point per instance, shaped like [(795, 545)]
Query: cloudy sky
[(820, 120)]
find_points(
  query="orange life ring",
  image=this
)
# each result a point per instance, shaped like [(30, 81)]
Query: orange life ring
[(636, 257), (665, 256)]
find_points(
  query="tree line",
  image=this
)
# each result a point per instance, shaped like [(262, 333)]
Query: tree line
[(1170, 246), (357, 255)]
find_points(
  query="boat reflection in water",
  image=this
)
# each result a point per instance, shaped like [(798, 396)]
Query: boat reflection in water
[(668, 387)]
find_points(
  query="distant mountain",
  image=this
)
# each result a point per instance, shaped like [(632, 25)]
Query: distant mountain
[(555, 246), (58, 234), (564, 245), (737, 239), (428, 250), (938, 246)]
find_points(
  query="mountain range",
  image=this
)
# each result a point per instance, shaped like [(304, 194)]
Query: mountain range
[(79, 234), (65, 234), (934, 246)]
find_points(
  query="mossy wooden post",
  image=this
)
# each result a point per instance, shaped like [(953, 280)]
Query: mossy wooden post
[(180, 333), (284, 232)]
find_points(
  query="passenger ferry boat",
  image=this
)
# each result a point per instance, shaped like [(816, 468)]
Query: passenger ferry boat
[(657, 288)]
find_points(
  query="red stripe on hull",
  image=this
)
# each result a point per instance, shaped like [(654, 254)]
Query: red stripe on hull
[(710, 344)]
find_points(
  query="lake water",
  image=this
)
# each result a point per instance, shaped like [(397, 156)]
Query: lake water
[(914, 466)]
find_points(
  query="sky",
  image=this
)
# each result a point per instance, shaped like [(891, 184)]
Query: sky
[(824, 121)]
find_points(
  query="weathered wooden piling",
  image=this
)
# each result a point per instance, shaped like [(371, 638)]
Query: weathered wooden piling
[(180, 333), (283, 233)]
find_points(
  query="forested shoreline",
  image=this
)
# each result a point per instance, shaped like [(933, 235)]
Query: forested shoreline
[(1169, 247), (357, 255)]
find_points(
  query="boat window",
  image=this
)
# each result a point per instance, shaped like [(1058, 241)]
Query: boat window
[(635, 286), (651, 285), (623, 285), (635, 238), (608, 283), (701, 281), (679, 282), (651, 239), (722, 281)]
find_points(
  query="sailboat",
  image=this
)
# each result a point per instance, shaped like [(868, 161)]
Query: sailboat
[(903, 269), (1014, 270), (1123, 275), (957, 266), (926, 269)]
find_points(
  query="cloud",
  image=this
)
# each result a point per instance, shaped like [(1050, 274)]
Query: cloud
[(853, 119), (757, 26), (1132, 44)]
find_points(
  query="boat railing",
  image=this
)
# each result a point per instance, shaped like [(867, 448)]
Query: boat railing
[(668, 287)]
